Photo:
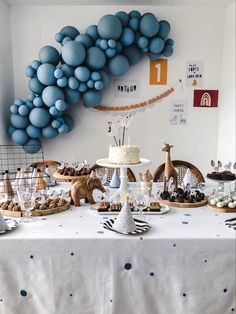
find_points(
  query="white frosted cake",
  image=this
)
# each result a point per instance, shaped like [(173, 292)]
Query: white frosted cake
[(126, 154)]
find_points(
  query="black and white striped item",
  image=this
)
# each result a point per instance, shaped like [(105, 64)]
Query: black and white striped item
[(231, 223), (11, 223), (141, 226)]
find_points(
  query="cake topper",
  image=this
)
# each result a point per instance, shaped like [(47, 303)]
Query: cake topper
[(118, 129)]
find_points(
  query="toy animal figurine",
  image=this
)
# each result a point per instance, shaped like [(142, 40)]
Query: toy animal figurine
[(170, 171), (83, 187), (145, 177)]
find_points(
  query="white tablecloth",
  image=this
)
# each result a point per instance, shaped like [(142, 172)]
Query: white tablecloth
[(68, 264)]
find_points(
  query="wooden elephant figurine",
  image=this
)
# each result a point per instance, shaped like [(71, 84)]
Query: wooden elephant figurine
[(83, 189)]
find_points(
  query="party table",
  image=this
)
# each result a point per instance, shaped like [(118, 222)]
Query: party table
[(68, 263)]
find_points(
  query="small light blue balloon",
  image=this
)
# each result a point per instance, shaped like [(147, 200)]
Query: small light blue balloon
[(154, 56), (19, 137), (31, 96), (104, 44), (33, 146), (63, 129), (123, 17), (10, 130), (149, 25), (19, 121), (90, 84), (61, 105), (73, 83), (169, 42), (49, 132), (135, 14), (109, 27), (110, 52), (167, 51), (66, 40), (35, 86), (71, 96), (118, 65), (105, 78), (29, 104), (164, 29), (67, 70), (92, 98), (45, 74), (95, 76), (97, 44), (134, 24), (35, 64), (18, 102), (51, 94), (82, 73), (58, 73), (127, 37), (49, 54), (156, 45), (133, 54), (62, 82), (14, 109), (98, 85), (69, 31), (83, 87), (39, 117), (85, 40), (59, 37), (92, 31), (23, 110), (30, 72), (56, 124), (95, 58), (73, 53), (111, 43), (54, 112), (142, 42), (33, 132)]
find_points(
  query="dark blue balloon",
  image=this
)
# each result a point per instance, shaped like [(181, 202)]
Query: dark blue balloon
[(133, 54), (109, 26), (71, 96), (49, 132), (123, 17), (33, 146), (49, 54), (92, 31), (18, 121), (96, 58), (154, 56), (127, 37), (69, 31), (92, 98), (35, 86), (156, 45), (135, 14), (85, 40), (149, 25), (167, 51), (164, 29), (118, 65)]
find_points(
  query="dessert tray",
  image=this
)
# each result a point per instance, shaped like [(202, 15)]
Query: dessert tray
[(222, 209), (141, 226), (223, 203), (95, 209), (61, 177), (12, 224), (185, 204), (48, 208)]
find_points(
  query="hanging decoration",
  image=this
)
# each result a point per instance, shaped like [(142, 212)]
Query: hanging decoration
[(82, 70)]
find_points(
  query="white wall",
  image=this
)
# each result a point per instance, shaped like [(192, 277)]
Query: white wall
[(198, 35), (227, 113), (6, 74)]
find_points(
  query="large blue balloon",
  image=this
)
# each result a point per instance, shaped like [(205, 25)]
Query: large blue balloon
[(133, 54), (156, 45), (18, 121), (73, 53), (51, 94), (149, 25), (69, 31), (164, 29), (19, 137), (109, 26), (96, 58), (123, 17), (135, 14), (134, 24), (118, 65), (92, 31), (33, 146), (35, 86), (72, 96), (49, 54), (92, 98), (45, 74), (33, 132), (127, 37), (82, 73), (85, 40), (49, 132), (39, 117), (23, 110)]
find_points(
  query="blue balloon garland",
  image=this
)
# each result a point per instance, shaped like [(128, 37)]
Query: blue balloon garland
[(81, 71)]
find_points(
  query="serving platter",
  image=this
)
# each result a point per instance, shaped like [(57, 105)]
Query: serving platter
[(183, 205), (221, 209)]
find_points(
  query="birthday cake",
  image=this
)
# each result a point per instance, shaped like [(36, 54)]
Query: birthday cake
[(125, 154)]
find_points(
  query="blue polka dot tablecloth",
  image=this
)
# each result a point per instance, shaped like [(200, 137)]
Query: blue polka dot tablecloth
[(68, 263)]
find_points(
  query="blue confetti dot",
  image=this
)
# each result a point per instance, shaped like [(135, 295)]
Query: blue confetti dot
[(151, 274), (23, 293), (72, 254), (187, 214), (44, 218), (31, 256), (184, 222), (225, 290), (60, 226), (104, 217), (205, 261), (184, 294), (71, 294), (174, 245), (216, 215), (101, 232), (110, 300), (232, 309), (127, 266), (141, 238), (0, 300)]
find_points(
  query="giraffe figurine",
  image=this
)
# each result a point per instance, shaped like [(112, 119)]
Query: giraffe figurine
[(170, 171)]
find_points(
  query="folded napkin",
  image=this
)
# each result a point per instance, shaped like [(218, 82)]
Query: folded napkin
[(3, 224)]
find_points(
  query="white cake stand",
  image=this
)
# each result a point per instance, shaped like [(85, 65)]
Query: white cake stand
[(123, 189)]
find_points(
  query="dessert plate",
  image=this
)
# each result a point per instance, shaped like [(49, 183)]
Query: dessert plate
[(12, 224), (141, 226), (164, 209)]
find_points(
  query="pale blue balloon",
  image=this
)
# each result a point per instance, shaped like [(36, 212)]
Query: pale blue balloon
[(30, 72), (83, 87), (39, 117), (73, 53), (38, 102), (90, 84), (35, 86), (95, 58), (23, 110), (56, 124), (49, 54), (66, 40), (58, 73), (149, 25), (95, 76), (143, 42), (73, 83), (45, 74), (51, 94), (54, 112), (62, 82), (92, 98), (82, 73), (92, 31), (33, 146), (61, 105), (19, 137), (164, 29), (104, 44), (97, 43), (118, 66), (98, 85), (109, 27), (123, 17), (59, 37), (112, 43), (71, 96), (19, 121), (18, 102), (49, 132), (33, 132), (14, 109), (110, 52), (85, 40), (35, 64), (156, 45), (63, 129)]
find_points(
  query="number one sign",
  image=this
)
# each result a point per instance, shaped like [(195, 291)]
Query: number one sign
[(158, 72)]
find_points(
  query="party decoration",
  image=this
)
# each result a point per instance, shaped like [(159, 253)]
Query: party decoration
[(82, 70)]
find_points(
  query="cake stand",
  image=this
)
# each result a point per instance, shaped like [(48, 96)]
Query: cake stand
[(123, 189), (221, 183)]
